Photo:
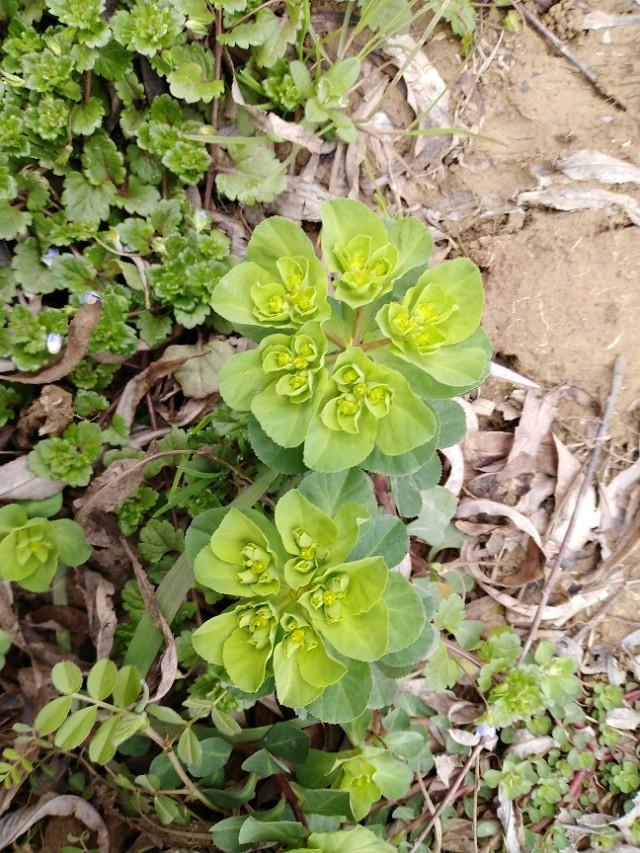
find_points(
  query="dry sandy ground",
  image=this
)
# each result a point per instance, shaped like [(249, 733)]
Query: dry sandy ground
[(563, 288)]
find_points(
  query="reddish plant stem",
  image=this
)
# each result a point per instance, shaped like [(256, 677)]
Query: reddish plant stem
[(86, 92), (383, 493), (290, 797)]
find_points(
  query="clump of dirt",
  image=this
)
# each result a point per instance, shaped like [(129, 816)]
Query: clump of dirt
[(562, 287)]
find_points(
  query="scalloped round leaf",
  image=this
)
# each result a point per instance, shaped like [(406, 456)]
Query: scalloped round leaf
[(385, 536), (405, 463), (346, 700), (406, 613), (284, 460)]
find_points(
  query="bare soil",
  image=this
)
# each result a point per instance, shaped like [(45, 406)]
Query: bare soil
[(563, 288)]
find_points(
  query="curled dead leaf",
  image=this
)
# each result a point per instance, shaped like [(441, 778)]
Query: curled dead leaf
[(98, 595), (136, 388), (273, 125), (623, 719), (51, 805), (19, 483), (587, 165), (479, 506), (106, 493), (555, 614), (50, 414), (80, 331)]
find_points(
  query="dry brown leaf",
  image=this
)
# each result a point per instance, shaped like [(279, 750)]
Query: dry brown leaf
[(478, 506), (556, 614), (180, 417), (273, 125), (301, 200), (527, 744), (559, 197), (464, 737), (532, 450), (80, 331), (136, 388), (455, 480), (598, 20), (616, 493), (568, 487), (531, 569), (512, 826), (50, 414), (498, 371), (457, 836), (9, 622), (18, 483), (53, 805), (427, 95), (486, 448), (106, 493), (446, 766), (98, 595), (587, 165), (623, 719), (199, 372), (169, 658), (462, 713)]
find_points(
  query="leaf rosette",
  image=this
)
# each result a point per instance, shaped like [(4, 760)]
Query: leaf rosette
[(366, 256), (429, 326), (366, 406), (304, 604), (32, 548), (351, 385), (281, 284), (281, 382)]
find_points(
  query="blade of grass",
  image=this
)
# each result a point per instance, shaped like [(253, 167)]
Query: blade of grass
[(175, 585), (453, 131)]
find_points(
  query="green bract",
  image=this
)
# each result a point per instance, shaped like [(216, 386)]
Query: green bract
[(304, 608), (428, 326), (366, 774), (32, 548), (280, 285), (366, 406), (331, 385)]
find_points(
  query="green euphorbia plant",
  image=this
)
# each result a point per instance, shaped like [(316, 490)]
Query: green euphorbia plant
[(347, 371), (32, 549), (304, 609), (366, 774)]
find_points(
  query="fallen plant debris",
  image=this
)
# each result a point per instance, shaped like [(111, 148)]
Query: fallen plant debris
[(287, 561)]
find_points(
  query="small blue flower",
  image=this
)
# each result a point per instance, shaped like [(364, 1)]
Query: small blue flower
[(484, 730), (49, 255), (54, 343), (90, 297)]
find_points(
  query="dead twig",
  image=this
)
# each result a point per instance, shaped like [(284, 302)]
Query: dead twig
[(589, 473), (567, 53), (450, 797)]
